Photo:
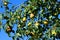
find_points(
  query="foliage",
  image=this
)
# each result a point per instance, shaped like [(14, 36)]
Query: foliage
[(37, 18)]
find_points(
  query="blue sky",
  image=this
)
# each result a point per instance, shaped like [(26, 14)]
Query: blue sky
[(13, 2)]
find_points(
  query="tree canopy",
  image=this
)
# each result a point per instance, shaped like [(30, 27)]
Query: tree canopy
[(35, 18)]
